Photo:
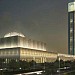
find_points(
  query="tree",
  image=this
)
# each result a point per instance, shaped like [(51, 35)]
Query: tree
[(13, 64), (1, 62), (24, 64), (32, 64)]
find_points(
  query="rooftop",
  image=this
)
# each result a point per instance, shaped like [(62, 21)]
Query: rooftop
[(13, 34)]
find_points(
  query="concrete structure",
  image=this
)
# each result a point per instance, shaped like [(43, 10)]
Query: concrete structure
[(17, 46), (71, 27)]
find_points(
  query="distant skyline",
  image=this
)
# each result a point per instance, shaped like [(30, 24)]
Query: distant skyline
[(42, 20)]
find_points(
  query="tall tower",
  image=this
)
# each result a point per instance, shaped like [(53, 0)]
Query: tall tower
[(71, 27)]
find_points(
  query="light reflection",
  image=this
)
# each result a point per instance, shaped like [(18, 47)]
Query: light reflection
[(14, 34)]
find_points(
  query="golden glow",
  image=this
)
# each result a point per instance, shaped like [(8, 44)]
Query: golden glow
[(22, 41), (29, 49), (24, 44)]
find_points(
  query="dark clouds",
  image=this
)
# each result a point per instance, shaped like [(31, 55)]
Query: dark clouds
[(43, 20)]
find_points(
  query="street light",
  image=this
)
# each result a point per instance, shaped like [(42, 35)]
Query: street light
[(59, 65)]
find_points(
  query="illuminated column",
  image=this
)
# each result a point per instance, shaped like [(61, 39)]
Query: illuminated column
[(26, 43), (31, 43), (41, 60), (34, 58)]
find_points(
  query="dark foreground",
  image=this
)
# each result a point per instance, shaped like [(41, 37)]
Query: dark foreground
[(48, 68), (68, 72)]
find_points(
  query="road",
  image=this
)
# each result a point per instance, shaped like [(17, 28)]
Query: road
[(31, 73)]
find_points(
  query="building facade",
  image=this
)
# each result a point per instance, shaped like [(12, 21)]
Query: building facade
[(16, 46), (71, 27)]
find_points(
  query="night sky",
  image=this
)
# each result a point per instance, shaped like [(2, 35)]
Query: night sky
[(42, 20)]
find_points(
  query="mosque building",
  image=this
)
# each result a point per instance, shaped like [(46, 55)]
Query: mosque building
[(17, 46)]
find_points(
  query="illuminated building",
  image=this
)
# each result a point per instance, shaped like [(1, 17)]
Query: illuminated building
[(71, 27), (17, 46)]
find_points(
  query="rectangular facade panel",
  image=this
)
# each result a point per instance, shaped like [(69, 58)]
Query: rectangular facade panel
[(10, 53), (31, 44), (8, 42)]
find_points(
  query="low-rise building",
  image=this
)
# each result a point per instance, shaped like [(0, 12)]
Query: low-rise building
[(17, 46)]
